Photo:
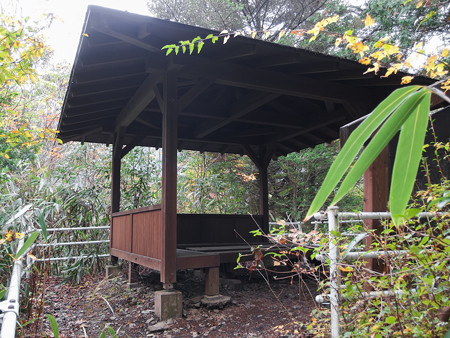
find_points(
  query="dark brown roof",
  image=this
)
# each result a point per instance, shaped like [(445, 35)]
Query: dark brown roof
[(232, 97)]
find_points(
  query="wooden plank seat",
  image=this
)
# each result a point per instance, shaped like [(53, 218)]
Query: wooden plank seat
[(230, 253), (192, 259)]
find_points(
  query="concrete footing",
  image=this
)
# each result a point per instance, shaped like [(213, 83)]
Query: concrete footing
[(168, 304), (113, 271)]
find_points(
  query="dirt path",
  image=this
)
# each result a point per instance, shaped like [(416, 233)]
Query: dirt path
[(256, 310)]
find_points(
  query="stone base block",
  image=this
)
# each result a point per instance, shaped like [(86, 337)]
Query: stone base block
[(113, 271), (215, 302), (168, 304)]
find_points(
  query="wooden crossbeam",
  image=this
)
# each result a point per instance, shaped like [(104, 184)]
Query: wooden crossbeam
[(194, 92), (308, 129), (241, 108)]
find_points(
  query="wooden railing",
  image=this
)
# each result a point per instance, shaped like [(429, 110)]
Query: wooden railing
[(215, 229), (136, 235)]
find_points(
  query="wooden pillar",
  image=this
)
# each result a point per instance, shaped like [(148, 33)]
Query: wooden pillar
[(264, 195), (376, 196), (212, 281), (115, 181), (262, 160), (169, 180)]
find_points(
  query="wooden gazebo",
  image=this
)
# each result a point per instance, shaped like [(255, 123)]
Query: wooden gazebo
[(245, 97)]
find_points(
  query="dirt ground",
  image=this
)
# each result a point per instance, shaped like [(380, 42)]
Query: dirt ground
[(255, 310)]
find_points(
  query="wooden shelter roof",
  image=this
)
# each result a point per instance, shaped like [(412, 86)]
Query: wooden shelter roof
[(233, 97)]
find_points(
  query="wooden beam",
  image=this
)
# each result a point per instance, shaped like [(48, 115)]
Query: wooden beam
[(102, 27), (148, 124), (308, 129), (115, 172), (169, 180), (131, 145), (194, 92), (274, 82), (261, 159), (241, 108), (141, 99)]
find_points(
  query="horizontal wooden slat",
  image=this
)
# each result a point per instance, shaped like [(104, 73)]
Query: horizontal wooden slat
[(148, 262)]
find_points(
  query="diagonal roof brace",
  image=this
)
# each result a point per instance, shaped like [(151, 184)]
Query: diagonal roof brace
[(141, 99), (247, 104)]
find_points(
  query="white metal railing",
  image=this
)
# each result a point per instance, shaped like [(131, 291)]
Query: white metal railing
[(55, 244), (9, 308), (333, 219)]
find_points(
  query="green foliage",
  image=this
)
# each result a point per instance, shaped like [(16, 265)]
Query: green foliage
[(54, 325), (295, 179), (407, 110), (20, 48), (214, 183), (28, 243), (259, 16), (420, 278)]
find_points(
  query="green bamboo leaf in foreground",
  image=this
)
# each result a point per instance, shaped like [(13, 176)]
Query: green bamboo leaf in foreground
[(380, 140), (407, 158), (355, 142), (54, 325), (29, 242)]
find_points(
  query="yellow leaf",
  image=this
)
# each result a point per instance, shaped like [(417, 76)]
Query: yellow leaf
[(281, 34), (446, 85), (444, 53), (266, 34), (6, 156), (365, 61), (337, 42), (345, 269), (419, 4), (407, 79), (419, 45), (368, 21), (375, 68), (253, 34), (358, 47)]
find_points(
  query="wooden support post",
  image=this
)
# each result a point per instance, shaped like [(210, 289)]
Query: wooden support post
[(376, 196), (133, 275), (262, 160), (264, 196), (212, 281), (115, 181), (169, 180)]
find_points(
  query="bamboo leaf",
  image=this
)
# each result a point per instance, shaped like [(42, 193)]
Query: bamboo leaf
[(355, 143), (29, 242), (379, 142), (407, 158), (42, 224), (54, 325)]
